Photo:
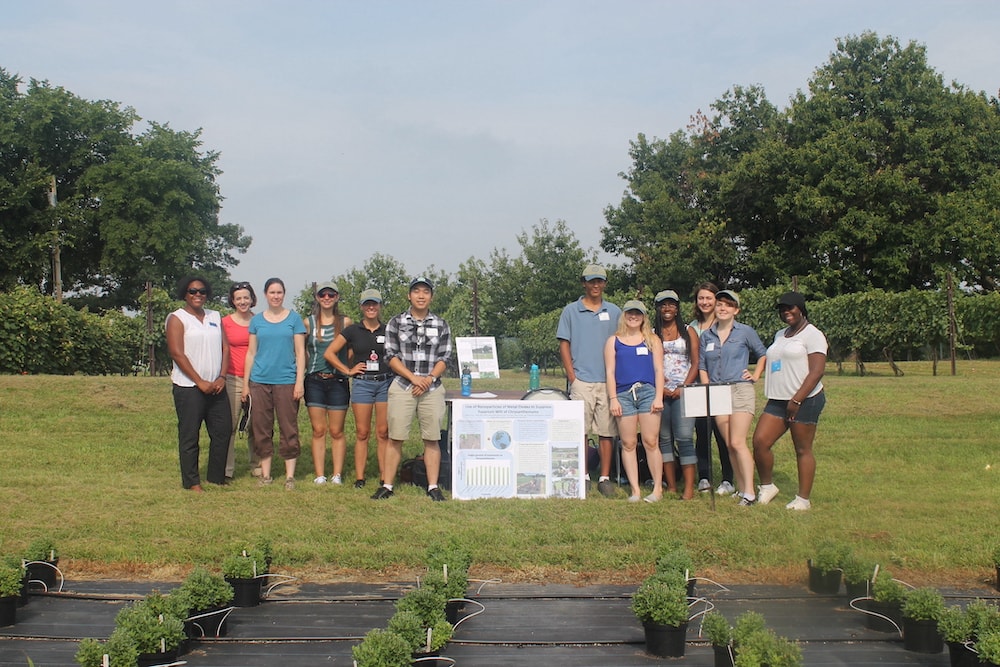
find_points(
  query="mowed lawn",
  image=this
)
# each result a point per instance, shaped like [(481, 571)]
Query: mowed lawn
[(907, 475)]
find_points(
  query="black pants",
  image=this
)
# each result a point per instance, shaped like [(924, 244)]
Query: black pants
[(193, 409), (704, 427)]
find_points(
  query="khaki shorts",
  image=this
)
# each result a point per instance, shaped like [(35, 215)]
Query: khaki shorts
[(596, 408), (403, 405), (744, 397)]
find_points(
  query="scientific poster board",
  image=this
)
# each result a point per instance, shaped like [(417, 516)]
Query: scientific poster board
[(479, 355), (517, 449)]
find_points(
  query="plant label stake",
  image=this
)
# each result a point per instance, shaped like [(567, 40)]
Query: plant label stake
[(427, 649)]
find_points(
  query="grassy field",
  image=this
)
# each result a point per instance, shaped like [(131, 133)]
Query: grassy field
[(907, 475)]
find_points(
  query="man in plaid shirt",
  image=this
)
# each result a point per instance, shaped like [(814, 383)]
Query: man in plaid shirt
[(417, 347)]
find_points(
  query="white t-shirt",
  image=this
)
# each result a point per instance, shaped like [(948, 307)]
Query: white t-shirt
[(788, 362)]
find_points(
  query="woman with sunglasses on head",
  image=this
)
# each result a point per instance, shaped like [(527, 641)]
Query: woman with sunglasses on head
[(725, 356), (200, 355), (372, 377), (680, 367), (633, 361), (236, 327), (795, 398), (274, 378), (327, 392), (704, 427)]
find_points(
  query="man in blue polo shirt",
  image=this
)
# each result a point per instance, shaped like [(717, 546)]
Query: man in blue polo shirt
[(584, 326)]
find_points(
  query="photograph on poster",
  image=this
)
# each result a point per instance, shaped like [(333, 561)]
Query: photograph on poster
[(478, 355)]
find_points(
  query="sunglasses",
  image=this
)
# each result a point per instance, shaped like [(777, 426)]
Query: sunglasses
[(237, 286), (197, 290), (326, 294)]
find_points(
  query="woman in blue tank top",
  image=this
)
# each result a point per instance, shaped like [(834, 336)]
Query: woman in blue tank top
[(633, 358)]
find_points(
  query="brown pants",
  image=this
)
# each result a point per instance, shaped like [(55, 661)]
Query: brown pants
[(270, 401)]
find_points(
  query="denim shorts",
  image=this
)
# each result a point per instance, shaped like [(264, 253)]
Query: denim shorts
[(367, 392), (808, 412), (333, 393), (638, 399)]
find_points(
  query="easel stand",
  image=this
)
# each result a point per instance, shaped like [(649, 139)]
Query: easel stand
[(708, 400)]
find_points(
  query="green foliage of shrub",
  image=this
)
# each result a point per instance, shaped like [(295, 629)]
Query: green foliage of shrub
[(662, 599), (10, 580), (382, 648), (147, 627), (715, 626), (887, 589), (923, 604), (426, 603), (120, 649), (203, 590), (988, 647), (830, 556), (954, 625), (41, 548)]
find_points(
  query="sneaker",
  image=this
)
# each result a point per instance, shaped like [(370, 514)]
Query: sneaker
[(289, 483), (264, 481), (798, 504), (725, 489), (634, 499), (435, 494), (382, 493), (766, 493), (257, 472), (320, 480), (607, 488), (359, 483), (747, 502), (336, 480), (704, 485), (652, 498)]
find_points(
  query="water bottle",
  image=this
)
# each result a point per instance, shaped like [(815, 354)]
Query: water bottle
[(466, 382), (534, 381)]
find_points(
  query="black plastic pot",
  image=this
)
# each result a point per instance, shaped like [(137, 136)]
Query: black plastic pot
[(824, 583), (891, 610), (211, 623), (44, 571), (665, 641), (960, 655), (921, 636), (451, 609), (723, 656), (857, 590), (246, 592), (8, 610)]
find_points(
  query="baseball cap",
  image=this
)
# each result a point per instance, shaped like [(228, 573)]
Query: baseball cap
[(728, 294), (593, 271), (634, 304), (370, 294), (667, 294), (793, 299), (327, 285), (420, 280)]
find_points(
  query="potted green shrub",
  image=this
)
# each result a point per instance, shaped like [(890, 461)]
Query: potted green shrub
[(426, 603), (955, 628), (922, 607), (206, 599), (718, 631), (11, 580), (120, 649), (885, 609), (674, 557), (756, 645), (157, 636), (382, 648), (983, 617), (243, 573), (42, 561), (825, 567), (661, 604), (857, 576), (424, 641), (988, 648), (448, 564)]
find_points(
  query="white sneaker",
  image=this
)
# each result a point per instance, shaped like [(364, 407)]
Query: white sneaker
[(725, 489), (320, 480), (704, 485), (336, 480), (798, 504), (766, 493)]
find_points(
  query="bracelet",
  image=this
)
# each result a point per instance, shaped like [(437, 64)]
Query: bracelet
[(795, 402)]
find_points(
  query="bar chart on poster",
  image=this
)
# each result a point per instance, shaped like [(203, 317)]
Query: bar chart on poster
[(517, 449)]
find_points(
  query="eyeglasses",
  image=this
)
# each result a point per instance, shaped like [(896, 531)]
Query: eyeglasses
[(327, 294), (197, 290)]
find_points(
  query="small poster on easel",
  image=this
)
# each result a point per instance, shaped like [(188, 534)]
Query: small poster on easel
[(479, 355), (707, 400)]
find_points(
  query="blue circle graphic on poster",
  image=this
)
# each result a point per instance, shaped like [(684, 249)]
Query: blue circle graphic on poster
[(501, 439)]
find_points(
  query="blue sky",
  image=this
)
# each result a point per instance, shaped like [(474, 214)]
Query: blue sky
[(434, 131)]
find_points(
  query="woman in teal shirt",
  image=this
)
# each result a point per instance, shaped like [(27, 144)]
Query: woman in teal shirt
[(274, 373)]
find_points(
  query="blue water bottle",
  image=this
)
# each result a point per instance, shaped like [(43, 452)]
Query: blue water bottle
[(466, 382), (534, 381)]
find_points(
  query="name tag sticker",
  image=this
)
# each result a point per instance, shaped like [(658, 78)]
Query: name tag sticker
[(603, 316), (431, 332), (776, 365), (380, 340), (710, 347), (642, 351)]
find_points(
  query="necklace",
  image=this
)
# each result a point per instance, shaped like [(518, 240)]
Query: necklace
[(802, 325)]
